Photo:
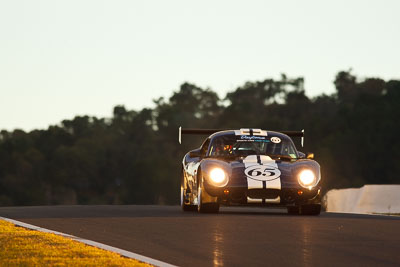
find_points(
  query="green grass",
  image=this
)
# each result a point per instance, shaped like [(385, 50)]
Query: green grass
[(390, 214)]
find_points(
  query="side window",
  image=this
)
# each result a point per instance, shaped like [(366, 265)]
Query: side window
[(204, 147)]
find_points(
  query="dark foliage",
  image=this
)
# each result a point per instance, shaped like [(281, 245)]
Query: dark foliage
[(134, 157)]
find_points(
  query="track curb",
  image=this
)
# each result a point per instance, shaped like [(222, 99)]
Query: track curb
[(122, 252)]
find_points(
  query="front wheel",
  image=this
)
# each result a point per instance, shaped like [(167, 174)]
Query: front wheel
[(209, 207), (293, 210), (310, 209)]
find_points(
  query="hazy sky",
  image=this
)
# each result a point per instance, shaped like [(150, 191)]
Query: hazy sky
[(59, 59)]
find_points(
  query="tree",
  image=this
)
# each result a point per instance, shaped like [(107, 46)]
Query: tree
[(134, 156)]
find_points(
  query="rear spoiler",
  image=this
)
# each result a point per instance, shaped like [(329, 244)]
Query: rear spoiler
[(211, 131)]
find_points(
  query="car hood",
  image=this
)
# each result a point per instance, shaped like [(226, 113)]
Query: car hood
[(261, 167)]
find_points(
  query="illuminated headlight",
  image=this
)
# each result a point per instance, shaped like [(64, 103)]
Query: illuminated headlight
[(218, 177), (307, 178)]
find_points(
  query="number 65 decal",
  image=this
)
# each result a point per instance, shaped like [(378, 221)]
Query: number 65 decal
[(262, 172)]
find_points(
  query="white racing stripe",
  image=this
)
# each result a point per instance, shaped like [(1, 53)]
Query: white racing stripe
[(262, 172), (122, 252), (257, 132)]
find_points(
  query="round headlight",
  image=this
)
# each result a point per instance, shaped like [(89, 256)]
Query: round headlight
[(218, 176), (307, 178)]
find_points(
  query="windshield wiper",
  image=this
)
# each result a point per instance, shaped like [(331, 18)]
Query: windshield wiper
[(225, 156), (283, 157)]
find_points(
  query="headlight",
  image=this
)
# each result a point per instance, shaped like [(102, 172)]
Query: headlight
[(218, 177), (307, 178)]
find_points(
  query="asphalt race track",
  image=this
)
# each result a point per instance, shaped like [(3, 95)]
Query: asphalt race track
[(234, 237)]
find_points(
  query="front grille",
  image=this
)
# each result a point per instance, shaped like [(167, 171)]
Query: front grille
[(263, 193)]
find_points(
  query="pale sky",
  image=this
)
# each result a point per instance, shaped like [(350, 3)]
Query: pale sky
[(59, 59)]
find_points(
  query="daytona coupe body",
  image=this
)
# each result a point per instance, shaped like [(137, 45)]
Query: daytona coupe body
[(249, 167)]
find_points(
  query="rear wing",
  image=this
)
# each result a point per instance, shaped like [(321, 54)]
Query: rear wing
[(211, 131)]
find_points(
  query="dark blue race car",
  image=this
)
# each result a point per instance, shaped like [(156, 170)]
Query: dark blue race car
[(249, 167)]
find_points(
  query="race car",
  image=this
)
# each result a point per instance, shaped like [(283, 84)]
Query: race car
[(251, 167)]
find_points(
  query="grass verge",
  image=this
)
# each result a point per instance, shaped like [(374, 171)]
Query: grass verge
[(390, 214), (23, 247)]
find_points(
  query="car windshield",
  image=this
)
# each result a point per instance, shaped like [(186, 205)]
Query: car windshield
[(244, 145)]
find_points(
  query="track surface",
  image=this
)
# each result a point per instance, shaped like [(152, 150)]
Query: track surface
[(235, 237)]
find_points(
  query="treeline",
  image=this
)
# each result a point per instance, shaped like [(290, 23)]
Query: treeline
[(134, 157)]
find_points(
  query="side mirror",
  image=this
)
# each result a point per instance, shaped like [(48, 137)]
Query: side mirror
[(195, 153), (302, 155), (310, 155)]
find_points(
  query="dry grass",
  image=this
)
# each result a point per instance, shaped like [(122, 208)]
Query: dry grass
[(23, 247)]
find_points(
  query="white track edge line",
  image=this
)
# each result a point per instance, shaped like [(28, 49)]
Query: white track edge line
[(122, 252)]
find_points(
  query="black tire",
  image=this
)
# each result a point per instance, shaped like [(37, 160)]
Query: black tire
[(310, 209), (293, 210), (184, 205), (205, 207)]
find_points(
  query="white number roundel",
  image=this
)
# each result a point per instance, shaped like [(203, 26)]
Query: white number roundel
[(262, 172), (275, 140)]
